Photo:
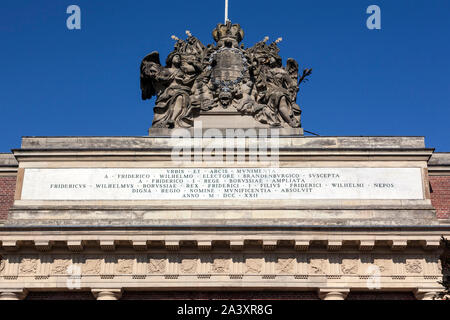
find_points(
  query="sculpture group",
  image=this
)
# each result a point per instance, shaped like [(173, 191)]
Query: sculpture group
[(223, 76)]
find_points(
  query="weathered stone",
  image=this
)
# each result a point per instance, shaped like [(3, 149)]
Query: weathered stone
[(8, 160), (157, 144), (223, 79), (440, 159)]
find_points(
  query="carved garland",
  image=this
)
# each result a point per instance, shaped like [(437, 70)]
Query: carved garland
[(229, 83)]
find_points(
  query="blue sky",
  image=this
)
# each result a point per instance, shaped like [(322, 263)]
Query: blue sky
[(58, 82)]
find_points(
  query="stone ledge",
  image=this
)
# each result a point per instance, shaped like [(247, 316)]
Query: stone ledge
[(327, 223), (230, 216), (439, 164), (8, 160), (440, 159), (282, 132), (41, 241), (8, 164), (143, 206), (111, 143)]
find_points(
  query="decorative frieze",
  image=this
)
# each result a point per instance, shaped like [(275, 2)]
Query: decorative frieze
[(317, 266), (254, 265), (28, 266), (91, 266), (156, 266), (221, 265), (60, 265), (301, 266), (124, 266), (285, 266), (385, 265), (413, 266), (349, 266), (188, 265)]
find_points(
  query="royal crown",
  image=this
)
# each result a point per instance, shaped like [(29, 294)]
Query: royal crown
[(228, 30)]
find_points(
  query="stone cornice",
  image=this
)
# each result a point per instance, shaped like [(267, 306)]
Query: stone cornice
[(439, 164), (111, 143), (42, 239), (8, 164), (141, 149), (356, 154)]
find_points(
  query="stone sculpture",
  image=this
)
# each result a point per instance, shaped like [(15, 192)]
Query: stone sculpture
[(224, 76)]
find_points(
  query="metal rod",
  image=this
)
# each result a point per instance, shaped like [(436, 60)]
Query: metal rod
[(226, 11), (312, 133)]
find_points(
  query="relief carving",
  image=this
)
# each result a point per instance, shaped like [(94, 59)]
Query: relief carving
[(157, 266), (413, 266), (253, 265), (317, 266), (92, 266), (285, 265), (61, 266), (222, 76), (124, 266), (28, 266), (188, 265), (221, 265), (385, 265), (349, 266)]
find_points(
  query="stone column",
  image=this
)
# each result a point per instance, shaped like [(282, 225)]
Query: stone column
[(333, 294), (12, 295), (107, 294), (425, 294)]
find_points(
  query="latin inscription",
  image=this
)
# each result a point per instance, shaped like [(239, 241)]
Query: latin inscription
[(222, 183)]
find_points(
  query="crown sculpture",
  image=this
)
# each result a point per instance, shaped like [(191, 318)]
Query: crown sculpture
[(225, 84)]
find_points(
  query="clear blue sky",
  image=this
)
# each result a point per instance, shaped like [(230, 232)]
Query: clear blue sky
[(56, 82)]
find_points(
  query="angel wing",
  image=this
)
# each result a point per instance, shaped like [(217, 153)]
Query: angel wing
[(292, 68), (147, 88)]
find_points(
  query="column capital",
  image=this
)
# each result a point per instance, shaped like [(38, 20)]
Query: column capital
[(12, 294), (107, 294), (425, 294), (333, 294)]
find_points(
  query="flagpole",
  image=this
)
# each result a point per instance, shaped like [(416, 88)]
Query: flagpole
[(226, 11)]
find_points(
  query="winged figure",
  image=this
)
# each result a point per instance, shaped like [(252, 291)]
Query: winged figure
[(226, 77)]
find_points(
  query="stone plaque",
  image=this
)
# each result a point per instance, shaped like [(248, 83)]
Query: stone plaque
[(222, 183)]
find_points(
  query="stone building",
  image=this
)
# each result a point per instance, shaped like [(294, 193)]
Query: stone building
[(130, 218), (149, 249)]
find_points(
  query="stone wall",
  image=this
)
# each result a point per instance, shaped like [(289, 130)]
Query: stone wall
[(7, 188), (439, 176), (157, 249), (440, 195), (8, 173)]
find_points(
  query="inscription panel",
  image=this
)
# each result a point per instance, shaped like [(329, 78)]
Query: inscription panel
[(222, 184)]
